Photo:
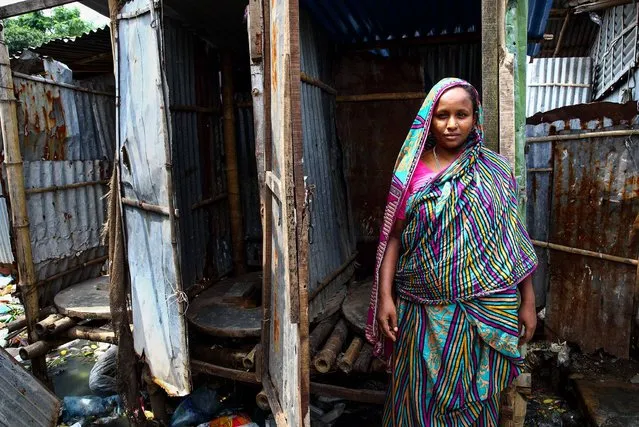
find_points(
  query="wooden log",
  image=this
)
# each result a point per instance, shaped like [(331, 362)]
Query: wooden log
[(262, 401), (40, 348), (232, 173), (14, 169), (355, 395), (249, 360), (91, 334), (363, 362), (227, 357), (346, 362), (44, 326), (61, 325), (222, 372), (21, 321), (326, 357), (321, 332)]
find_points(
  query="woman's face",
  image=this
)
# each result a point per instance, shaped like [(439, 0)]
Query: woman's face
[(453, 119)]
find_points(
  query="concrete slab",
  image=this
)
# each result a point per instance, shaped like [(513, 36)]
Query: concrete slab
[(609, 403)]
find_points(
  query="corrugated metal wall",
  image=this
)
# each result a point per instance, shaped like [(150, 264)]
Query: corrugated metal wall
[(198, 149), (249, 187), (67, 136), (557, 82), (615, 50), (584, 194), (331, 240), (451, 60)]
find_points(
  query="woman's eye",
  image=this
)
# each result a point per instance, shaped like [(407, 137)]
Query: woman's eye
[(462, 115)]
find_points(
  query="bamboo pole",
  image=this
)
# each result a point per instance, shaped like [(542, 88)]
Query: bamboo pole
[(220, 356), (44, 326), (262, 401), (57, 276), (317, 83), (39, 349), (355, 395), (18, 202), (363, 362), (91, 334), (328, 280), (346, 362), (387, 96), (326, 357), (55, 188), (61, 325), (222, 372), (148, 207), (582, 135), (584, 252), (230, 150), (321, 332), (248, 362)]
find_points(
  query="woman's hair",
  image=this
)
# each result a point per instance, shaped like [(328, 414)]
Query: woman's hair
[(473, 97)]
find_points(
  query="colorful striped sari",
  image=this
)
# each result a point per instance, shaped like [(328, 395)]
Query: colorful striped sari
[(464, 251)]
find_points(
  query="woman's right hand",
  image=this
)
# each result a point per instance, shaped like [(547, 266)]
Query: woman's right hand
[(387, 317)]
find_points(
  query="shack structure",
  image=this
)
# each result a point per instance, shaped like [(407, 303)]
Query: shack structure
[(253, 147)]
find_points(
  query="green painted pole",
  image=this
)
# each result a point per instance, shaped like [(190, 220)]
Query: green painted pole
[(516, 42)]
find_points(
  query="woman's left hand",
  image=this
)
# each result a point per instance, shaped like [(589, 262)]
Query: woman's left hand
[(527, 321)]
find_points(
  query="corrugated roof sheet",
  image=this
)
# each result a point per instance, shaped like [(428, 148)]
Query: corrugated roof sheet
[(87, 54), (356, 21), (557, 82), (578, 38)]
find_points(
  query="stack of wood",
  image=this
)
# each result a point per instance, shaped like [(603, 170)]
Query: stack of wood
[(333, 347)]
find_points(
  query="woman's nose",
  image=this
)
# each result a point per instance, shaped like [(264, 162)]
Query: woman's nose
[(452, 123)]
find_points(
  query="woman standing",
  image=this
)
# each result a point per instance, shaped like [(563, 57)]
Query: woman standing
[(453, 254)]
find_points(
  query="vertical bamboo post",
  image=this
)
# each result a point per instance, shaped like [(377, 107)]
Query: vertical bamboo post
[(19, 216), (230, 151)]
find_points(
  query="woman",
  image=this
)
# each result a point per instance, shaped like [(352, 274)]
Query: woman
[(452, 256)]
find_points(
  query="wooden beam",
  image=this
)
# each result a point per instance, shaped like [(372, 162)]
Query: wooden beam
[(561, 35), (599, 5), (490, 70), (422, 41), (27, 6)]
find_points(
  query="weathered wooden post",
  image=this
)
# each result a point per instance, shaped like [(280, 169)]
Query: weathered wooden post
[(18, 202)]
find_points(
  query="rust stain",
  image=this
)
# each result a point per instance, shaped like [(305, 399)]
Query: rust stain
[(618, 113)]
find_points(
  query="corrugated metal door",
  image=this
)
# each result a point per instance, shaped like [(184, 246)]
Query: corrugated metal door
[(286, 329), (148, 203)]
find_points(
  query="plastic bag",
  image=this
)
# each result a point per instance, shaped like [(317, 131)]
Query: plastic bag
[(235, 420), (199, 407), (102, 378), (80, 407)]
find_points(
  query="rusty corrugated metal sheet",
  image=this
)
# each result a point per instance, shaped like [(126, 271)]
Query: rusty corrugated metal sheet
[(331, 241), (557, 82), (594, 203), (24, 401), (60, 123), (198, 147)]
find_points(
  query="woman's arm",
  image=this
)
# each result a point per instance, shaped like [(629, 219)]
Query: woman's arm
[(387, 312), (527, 310)]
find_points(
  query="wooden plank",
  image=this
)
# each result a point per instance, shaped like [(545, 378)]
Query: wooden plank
[(275, 185), (22, 7), (506, 91), (490, 71), (285, 360)]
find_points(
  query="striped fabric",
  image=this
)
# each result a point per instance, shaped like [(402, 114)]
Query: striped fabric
[(463, 237), (452, 361)]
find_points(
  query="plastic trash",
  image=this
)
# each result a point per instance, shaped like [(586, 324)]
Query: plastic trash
[(199, 407), (76, 408), (234, 420), (102, 378)]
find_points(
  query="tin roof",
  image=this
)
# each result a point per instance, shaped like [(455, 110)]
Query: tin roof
[(355, 21), (86, 55)]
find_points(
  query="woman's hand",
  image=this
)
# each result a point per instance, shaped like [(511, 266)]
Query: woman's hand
[(387, 317), (527, 321), (527, 310)]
